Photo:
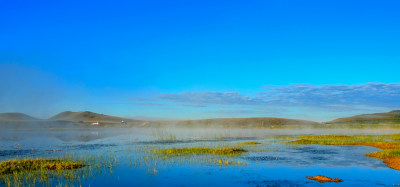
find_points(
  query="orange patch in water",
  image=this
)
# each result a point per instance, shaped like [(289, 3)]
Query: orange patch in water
[(322, 179)]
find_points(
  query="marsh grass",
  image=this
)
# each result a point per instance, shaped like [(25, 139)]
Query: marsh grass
[(249, 143), (202, 150), (389, 145), (230, 162), (30, 165), (30, 171), (157, 158), (163, 136), (66, 170)]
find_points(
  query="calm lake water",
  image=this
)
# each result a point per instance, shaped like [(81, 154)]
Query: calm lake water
[(271, 163)]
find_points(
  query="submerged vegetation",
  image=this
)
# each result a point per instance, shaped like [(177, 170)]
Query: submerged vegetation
[(390, 145), (229, 162)]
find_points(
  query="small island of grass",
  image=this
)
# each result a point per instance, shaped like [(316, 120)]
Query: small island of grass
[(249, 143), (29, 165), (323, 179), (18, 172), (200, 150)]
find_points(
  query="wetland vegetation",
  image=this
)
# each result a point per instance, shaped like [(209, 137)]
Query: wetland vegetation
[(159, 156), (95, 155), (389, 145), (67, 170), (200, 150)]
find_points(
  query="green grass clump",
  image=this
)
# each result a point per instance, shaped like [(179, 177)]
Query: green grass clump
[(378, 141), (388, 153), (30, 171), (29, 165), (330, 136), (200, 150), (389, 156)]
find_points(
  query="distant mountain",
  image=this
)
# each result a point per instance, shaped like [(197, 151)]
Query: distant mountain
[(375, 118), (87, 117), (234, 123), (16, 117)]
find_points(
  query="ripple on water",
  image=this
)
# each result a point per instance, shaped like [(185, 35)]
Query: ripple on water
[(20, 152), (90, 146), (275, 183), (265, 158), (315, 150)]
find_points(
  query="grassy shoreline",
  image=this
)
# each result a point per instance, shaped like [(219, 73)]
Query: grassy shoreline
[(388, 144)]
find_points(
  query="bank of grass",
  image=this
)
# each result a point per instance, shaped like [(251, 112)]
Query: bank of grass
[(30, 171), (200, 150), (389, 156), (67, 170), (35, 164), (389, 145)]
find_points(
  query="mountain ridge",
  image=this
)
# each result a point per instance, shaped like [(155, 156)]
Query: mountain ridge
[(373, 118), (91, 118), (16, 116)]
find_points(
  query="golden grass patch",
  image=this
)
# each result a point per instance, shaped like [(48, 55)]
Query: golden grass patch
[(323, 179)]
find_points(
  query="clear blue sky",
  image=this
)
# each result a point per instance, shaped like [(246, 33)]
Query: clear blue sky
[(196, 59)]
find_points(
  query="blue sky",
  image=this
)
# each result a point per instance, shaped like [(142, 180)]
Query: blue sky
[(307, 59)]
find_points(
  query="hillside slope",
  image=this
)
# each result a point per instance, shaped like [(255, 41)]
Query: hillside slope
[(16, 117), (87, 117), (392, 117)]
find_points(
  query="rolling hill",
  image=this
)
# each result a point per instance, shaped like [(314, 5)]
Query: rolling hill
[(392, 117), (66, 119), (87, 117), (90, 119), (16, 117)]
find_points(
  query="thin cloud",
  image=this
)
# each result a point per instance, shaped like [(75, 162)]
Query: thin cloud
[(368, 94), (299, 95), (209, 97)]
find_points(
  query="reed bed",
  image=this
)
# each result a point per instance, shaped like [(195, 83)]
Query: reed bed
[(66, 170), (201, 150)]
